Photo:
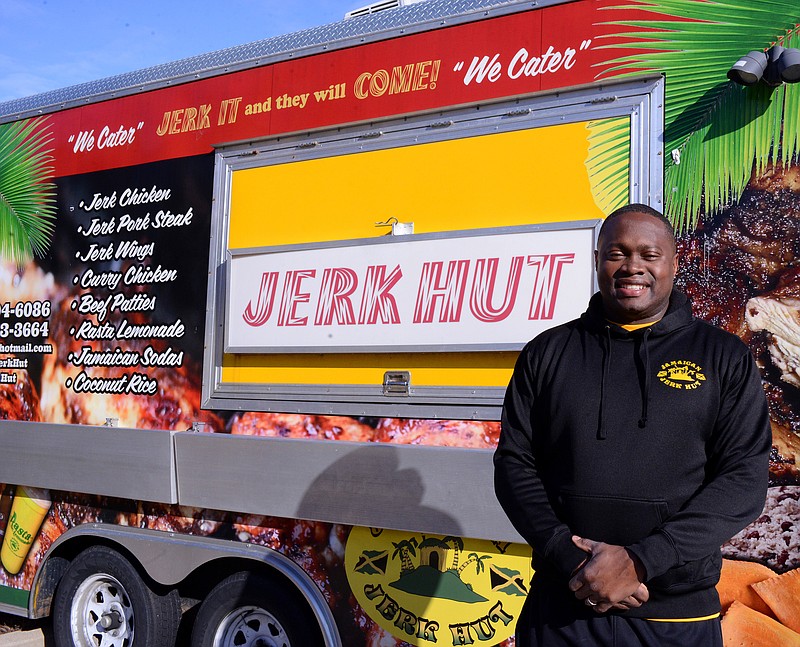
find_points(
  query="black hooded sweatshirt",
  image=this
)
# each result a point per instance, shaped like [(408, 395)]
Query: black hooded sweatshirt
[(656, 439)]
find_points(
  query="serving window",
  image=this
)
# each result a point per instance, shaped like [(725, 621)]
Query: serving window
[(323, 300)]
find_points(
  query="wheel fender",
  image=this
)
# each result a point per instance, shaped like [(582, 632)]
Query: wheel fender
[(168, 558)]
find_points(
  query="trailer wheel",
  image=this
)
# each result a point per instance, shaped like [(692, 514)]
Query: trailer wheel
[(102, 601), (246, 610)]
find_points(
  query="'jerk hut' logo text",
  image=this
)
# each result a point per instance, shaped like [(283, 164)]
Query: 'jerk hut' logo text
[(491, 289)]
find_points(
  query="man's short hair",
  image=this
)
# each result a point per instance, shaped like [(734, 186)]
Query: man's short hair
[(647, 210)]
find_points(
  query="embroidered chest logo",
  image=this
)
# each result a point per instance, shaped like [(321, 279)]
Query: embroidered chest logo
[(681, 374)]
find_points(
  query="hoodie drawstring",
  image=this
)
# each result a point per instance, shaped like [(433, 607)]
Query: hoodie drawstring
[(645, 355), (601, 427)]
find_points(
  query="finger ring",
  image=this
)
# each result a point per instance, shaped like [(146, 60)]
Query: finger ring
[(591, 602)]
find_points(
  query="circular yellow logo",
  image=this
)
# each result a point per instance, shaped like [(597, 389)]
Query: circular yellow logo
[(435, 590), (681, 374)]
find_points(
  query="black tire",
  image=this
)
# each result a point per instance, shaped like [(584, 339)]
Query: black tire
[(102, 587), (245, 610)]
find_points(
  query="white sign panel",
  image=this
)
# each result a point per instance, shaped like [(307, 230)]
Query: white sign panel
[(487, 289)]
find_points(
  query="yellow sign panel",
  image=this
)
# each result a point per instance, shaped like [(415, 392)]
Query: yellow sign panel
[(521, 177), (514, 178), (433, 590), (458, 369)]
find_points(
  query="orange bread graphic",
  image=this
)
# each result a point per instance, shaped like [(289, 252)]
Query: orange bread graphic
[(735, 583), (782, 594), (744, 627)]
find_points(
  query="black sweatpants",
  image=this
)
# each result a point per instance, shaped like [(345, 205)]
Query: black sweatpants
[(540, 625)]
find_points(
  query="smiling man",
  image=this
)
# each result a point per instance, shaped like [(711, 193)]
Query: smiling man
[(634, 443)]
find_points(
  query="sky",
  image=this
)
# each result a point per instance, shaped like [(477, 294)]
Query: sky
[(51, 44)]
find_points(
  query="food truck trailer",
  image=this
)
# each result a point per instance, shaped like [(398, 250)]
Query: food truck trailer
[(258, 308)]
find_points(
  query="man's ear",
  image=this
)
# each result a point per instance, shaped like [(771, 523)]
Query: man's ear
[(595, 260)]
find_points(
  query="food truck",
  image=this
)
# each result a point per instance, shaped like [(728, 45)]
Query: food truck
[(258, 309)]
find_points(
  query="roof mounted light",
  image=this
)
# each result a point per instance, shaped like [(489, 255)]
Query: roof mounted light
[(749, 69), (789, 65), (775, 66)]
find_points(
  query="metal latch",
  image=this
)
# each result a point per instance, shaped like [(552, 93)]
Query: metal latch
[(396, 382), (398, 228)]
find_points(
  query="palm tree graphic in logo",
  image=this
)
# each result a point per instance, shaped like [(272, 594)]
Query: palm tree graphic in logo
[(403, 548), (478, 559), (432, 567), (437, 574)]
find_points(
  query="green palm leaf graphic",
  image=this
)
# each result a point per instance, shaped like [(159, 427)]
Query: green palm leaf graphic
[(607, 162), (716, 132), (27, 195)]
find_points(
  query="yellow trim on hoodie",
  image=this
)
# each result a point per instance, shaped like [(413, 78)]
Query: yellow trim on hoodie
[(711, 617)]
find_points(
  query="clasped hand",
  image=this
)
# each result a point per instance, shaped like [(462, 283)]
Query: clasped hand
[(609, 578)]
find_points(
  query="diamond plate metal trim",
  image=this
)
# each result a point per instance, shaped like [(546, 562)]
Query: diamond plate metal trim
[(377, 26)]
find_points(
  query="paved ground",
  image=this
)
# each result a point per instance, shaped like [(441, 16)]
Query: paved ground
[(34, 638), (20, 632)]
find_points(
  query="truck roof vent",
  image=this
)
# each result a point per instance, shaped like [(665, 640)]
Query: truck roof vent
[(381, 5)]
